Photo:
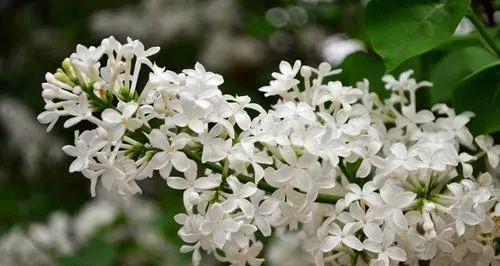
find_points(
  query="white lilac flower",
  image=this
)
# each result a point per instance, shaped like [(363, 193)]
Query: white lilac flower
[(344, 236), (218, 224), (215, 149), (123, 118), (296, 169), (284, 81), (347, 171), (337, 94), (381, 243), (485, 143), (192, 185), (243, 154), (355, 193), (263, 210), (86, 145), (79, 110), (169, 155), (238, 197), (395, 199)]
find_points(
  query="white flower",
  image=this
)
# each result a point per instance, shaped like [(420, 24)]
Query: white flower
[(243, 154), (337, 94), (394, 200), (86, 145), (123, 119), (345, 236), (467, 169), (290, 215), (355, 192), (169, 154), (401, 158), (381, 243), (464, 215), (267, 129), (287, 71), (190, 115), (284, 81), (219, 225), (337, 47), (356, 216), (404, 82), (485, 143), (410, 117), (309, 138), (468, 242), (49, 117), (263, 210), (238, 197), (214, 148), (191, 185), (457, 126), (440, 241), (295, 169), (200, 86), (247, 255), (240, 115), (80, 111), (113, 172), (295, 114), (86, 58)]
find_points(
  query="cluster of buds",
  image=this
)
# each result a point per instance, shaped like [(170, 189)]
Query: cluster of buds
[(367, 181)]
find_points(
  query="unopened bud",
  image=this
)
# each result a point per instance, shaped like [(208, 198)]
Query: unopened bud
[(305, 71), (68, 69)]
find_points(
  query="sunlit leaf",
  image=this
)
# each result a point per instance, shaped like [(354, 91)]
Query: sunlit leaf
[(400, 30)]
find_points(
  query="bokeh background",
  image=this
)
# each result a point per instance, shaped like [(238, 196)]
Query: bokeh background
[(47, 216)]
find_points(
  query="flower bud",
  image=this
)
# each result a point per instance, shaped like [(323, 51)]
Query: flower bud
[(69, 69), (305, 72)]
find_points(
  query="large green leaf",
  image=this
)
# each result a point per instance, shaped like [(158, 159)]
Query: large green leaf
[(454, 67), (480, 93), (361, 65), (401, 29)]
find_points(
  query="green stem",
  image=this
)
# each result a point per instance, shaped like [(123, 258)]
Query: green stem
[(482, 30), (354, 260), (225, 171), (322, 198)]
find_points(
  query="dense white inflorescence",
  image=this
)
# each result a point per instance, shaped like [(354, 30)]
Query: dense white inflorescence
[(364, 181)]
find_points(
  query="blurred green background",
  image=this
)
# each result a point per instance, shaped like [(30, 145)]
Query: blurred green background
[(43, 208)]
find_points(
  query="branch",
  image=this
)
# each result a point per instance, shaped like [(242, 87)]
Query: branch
[(322, 198), (482, 30)]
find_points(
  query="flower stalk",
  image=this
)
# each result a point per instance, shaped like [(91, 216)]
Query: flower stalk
[(482, 31)]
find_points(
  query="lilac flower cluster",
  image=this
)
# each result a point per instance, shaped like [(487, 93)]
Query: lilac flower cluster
[(366, 180)]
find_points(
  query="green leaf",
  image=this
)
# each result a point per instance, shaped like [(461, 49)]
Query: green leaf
[(97, 253), (480, 93), (361, 65), (454, 67), (400, 29)]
